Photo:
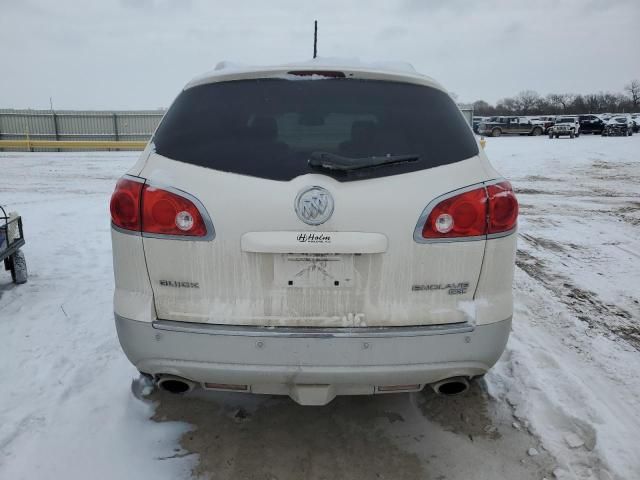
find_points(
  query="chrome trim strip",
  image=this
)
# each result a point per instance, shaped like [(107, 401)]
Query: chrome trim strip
[(310, 332), (135, 233), (506, 233), (133, 178)]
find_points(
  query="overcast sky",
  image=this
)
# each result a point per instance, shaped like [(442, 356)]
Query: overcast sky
[(139, 53)]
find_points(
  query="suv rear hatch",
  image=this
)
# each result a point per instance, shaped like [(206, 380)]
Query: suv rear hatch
[(243, 149)]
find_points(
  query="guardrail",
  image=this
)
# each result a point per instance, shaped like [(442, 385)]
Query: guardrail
[(30, 145), (47, 130)]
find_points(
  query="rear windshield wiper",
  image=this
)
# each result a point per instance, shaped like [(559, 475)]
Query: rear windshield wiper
[(331, 161)]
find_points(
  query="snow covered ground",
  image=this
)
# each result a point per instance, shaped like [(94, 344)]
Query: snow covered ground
[(564, 399)]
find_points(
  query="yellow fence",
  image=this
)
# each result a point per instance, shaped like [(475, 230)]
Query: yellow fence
[(29, 145)]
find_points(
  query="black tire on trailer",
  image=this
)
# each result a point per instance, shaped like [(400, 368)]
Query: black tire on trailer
[(19, 272)]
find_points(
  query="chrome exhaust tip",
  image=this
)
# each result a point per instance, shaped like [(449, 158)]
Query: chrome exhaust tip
[(174, 384), (451, 386)]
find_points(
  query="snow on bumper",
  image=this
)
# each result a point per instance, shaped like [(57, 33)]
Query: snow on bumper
[(277, 361)]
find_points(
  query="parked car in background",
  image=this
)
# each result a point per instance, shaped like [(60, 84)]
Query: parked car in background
[(497, 126), (619, 125), (591, 124), (477, 121), (547, 122), (635, 117), (565, 126), (234, 271)]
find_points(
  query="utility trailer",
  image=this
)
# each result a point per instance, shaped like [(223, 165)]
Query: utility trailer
[(11, 241)]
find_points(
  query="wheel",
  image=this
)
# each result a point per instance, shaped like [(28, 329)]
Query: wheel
[(557, 135), (537, 131), (577, 134), (572, 135), (496, 132), (550, 134), (18, 267)]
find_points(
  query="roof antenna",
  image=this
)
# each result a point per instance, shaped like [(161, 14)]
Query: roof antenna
[(315, 38)]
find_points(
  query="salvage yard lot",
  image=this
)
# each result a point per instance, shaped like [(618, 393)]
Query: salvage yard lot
[(564, 397)]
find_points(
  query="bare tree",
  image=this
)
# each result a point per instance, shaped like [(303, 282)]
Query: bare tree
[(480, 107), (633, 88), (561, 99), (527, 100), (507, 106)]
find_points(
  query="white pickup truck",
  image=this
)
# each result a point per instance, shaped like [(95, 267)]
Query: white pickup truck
[(565, 126)]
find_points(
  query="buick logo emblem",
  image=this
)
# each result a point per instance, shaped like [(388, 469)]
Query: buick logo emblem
[(314, 205)]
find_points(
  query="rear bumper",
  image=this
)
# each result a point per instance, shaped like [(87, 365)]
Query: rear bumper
[(279, 360)]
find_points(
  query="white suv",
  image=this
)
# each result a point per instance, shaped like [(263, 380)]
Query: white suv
[(565, 126), (313, 230)]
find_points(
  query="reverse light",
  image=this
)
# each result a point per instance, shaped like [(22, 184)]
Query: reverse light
[(444, 223), (184, 221)]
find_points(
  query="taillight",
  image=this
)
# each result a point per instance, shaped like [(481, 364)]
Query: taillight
[(167, 213), (476, 213), (145, 208), (503, 208), (464, 215), (125, 204)]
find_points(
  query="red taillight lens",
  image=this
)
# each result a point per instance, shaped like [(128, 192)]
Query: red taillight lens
[(475, 213), (143, 208), (464, 215), (125, 204), (503, 208), (168, 213)]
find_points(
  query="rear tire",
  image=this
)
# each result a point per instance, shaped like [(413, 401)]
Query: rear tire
[(496, 132), (537, 131), (550, 134), (572, 135), (19, 268)]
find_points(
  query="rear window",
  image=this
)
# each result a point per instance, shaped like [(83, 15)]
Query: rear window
[(270, 128)]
